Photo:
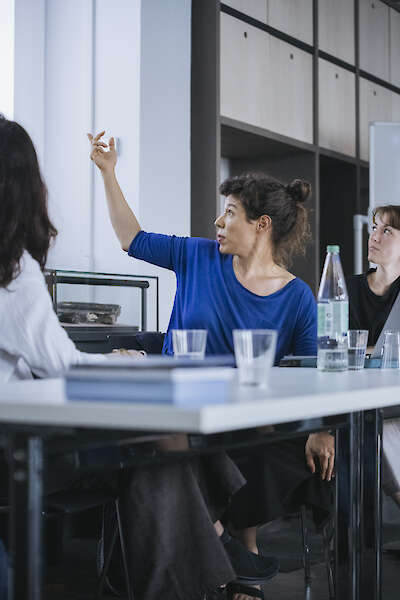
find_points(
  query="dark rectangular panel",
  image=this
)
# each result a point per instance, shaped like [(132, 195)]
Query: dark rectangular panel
[(338, 204), (205, 109)]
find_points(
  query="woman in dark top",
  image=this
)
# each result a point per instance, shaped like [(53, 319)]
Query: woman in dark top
[(241, 281), (371, 297)]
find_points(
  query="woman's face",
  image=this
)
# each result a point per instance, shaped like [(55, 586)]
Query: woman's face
[(235, 235), (383, 243)]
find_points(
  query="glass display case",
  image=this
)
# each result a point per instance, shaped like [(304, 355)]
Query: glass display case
[(102, 311)]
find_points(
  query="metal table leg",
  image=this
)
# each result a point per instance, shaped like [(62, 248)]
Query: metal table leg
[(347, 511), (371, 515), (25, 489)]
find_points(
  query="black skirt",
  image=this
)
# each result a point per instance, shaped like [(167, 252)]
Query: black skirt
[(168, 510), (278, 482), (168, 513)]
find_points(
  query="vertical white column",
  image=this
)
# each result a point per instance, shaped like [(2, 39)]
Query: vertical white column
[(7, 59), (29, 70), (68, 93), (117, 97), (165, 129)]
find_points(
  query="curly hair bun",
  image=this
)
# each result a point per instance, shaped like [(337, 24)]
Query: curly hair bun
[(299, 190)]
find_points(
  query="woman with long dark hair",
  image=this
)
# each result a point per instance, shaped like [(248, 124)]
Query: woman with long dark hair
[(167, 509), (32, 339)]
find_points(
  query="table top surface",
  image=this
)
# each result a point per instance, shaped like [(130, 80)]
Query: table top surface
[(293, 394)]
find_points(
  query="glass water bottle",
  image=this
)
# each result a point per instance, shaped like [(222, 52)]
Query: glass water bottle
[(333, 315)]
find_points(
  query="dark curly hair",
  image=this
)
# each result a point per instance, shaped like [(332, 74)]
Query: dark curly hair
[(264, 195), (24, 221)]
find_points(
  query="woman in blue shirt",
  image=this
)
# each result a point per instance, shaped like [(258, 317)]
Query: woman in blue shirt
[(238, 281)]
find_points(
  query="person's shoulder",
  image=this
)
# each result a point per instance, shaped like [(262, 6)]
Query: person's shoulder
[(30, 269), (301, 287), (28, 272), (355, 278), (302, 295), (205, 246), (356, 282), (26, 290), (203, 242)]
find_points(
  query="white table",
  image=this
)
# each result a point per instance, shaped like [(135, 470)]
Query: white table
[(294, 395)]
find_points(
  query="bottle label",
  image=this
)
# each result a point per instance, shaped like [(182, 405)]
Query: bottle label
[(333, 318)]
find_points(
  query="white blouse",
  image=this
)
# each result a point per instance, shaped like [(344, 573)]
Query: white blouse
[(31, 337)]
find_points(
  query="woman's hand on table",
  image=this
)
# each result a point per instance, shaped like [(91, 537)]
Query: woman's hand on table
[(118, 352), (105, 161), (321, 446)]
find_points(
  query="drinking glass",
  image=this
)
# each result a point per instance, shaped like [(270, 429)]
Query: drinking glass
[(254, 353), (189, 343), (357, 345), (391, 350)]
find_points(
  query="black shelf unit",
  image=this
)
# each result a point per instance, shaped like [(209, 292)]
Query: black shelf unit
[(340, 182)]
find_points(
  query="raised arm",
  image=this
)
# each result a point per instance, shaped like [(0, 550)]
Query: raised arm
[(124, 222)]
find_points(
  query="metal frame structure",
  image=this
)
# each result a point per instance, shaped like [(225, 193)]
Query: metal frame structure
[(55, 277), (358, 559)]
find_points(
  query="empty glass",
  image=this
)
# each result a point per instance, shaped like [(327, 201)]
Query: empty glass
[(254, 353), (189, 343), (391, 350), (357, 345)]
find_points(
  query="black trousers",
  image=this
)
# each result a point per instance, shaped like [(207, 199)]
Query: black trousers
[(278, 482)]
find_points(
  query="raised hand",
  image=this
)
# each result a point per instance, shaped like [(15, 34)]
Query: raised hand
[(105, 161), (124, 222)]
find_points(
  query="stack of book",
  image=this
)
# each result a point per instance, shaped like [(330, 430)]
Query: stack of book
[(311, 361), (153, 380)]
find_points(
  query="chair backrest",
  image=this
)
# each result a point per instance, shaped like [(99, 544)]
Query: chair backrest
[(392, 324), (150, 341)]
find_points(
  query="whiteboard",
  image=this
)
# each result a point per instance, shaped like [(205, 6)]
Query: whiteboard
[(384, 180), (384, 174)]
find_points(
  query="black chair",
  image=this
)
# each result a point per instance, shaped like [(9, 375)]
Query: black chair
[(61, 504), (328, 538), (149, 341)]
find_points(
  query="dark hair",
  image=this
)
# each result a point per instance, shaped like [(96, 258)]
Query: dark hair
[(24, 221), (392, 213), (263, 195)]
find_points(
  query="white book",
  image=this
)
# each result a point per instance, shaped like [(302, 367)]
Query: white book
[(183, 386)]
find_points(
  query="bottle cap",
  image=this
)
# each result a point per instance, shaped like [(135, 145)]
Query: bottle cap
[(333, 249)]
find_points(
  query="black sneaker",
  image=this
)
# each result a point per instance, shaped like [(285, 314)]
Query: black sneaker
[(249, 567)]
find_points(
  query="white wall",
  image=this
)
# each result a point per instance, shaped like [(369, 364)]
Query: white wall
[(29, 74), (86, 65), (68, 101), (92, 83), (7, 58), (384, 172), (165, 128), (117, 110)]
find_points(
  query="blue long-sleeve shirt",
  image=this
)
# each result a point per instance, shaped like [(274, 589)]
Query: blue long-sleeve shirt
[(209, 296)]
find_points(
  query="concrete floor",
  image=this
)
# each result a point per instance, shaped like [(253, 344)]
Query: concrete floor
[(286, 586), (75, 578)]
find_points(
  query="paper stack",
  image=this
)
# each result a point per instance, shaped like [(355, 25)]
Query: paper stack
[(161, 380)]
